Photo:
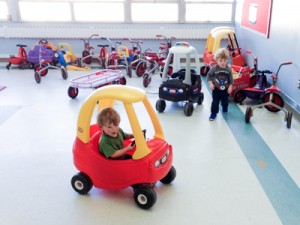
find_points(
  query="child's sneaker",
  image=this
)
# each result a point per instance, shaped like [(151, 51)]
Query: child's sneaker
[(225, 109), (213, 116)]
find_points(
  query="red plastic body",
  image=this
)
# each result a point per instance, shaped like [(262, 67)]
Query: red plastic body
[(117, 174)]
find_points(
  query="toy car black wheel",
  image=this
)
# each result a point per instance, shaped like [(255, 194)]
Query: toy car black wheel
[(170, 176), (188, 108), (289, 119), (145, 197), (41, 68), (7, 66), (73, 92), (160, 105), (248, 114), (141, 69), (129, 71), (86, 58), (81, 183), (123, 81), (277, 100), (146, 79), (200, 98), (239, 96), (204, 70), (64, 73), (37, 77)]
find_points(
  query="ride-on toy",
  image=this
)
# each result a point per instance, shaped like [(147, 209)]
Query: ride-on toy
[(20, 59), (88, 50), (184, 85), (214, 42), (96, 80), (151, 159), (272, 100)]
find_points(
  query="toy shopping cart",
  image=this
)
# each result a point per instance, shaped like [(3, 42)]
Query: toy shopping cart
[(96, 80)]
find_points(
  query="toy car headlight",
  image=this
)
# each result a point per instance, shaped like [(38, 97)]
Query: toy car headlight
[(164, 159), (157, 163), (180, 91), (165, 89)]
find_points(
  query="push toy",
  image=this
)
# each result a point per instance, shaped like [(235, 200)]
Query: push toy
[(272, 100), (184, 85), (96, 80), (20, 59), (151, 159), (41, 69), (44, 50), (65, 59)]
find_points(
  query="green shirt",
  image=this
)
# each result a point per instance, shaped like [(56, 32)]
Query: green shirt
[(109, 145)]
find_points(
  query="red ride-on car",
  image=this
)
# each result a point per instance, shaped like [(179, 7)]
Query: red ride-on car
[(151, 159)]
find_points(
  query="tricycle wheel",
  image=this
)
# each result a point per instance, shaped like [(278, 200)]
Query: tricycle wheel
[(170, 176), (88, 58), (123, 81), (200, 98), (146, 79), (40, 67), (248, 114), (72, 92), (129, 71), (145, 197), (64, 73), (188, 108), (289, 119), (239, 96), (277, 99), (7, 66), (134, 65), (253, 80), (81, 183), (37, 77), (141, 69), (204, 70), (160, 105)]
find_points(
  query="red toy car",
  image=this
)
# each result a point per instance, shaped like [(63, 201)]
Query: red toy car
[(151, 160)]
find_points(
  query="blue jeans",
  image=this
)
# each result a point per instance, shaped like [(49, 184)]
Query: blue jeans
[(217, 96)]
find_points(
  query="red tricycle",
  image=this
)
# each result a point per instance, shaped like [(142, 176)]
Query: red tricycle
[(271, 99), (151, 159), (88, 50), (20, 59)]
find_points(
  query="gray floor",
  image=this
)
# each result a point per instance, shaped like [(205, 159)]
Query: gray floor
[(228, 172)]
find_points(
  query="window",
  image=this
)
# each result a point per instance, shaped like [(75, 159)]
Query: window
[(45, 11), (4, 15), (208, 11), (154, 12), (99, 12)]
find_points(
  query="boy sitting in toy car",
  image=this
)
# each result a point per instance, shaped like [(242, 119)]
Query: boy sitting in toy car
[(111, 142)]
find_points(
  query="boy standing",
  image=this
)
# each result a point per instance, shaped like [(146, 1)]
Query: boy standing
[(220, 82)]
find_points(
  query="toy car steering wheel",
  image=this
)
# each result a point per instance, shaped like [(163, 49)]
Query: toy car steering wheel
[(144, 133)]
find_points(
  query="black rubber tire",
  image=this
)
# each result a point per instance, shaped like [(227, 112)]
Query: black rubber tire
[(239, 96), (248, 114), (73, 92), (37, 77), (188, 108), (289, 120), (64, 73), (145, 197), (170, 176), (81, 183), (200, 98), (160, 105)]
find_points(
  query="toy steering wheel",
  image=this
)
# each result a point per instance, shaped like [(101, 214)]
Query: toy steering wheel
[(43, 42), (144, 133)]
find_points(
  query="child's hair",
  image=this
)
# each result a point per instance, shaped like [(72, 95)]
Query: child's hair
[(222, 53), (107, 116)]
